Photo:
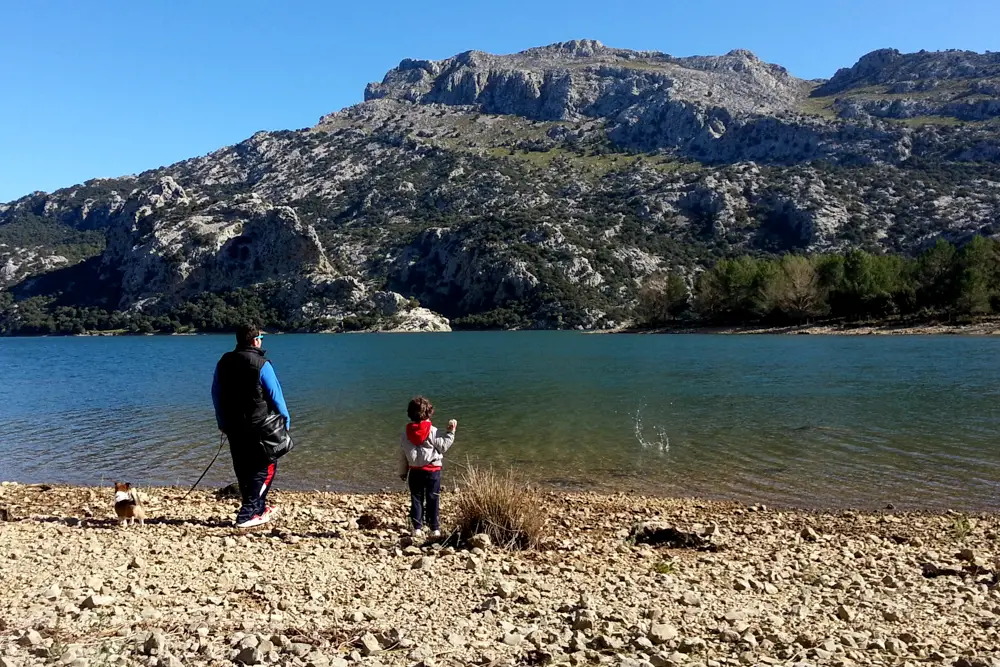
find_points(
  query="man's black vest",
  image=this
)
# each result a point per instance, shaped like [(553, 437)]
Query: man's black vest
[(241, 396)]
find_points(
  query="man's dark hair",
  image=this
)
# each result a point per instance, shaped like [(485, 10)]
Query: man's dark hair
[(419, 409), (246, 334)]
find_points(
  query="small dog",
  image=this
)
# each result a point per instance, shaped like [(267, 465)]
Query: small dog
[(127, 505)]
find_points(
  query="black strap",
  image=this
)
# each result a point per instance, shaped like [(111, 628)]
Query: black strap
[(222, 441)]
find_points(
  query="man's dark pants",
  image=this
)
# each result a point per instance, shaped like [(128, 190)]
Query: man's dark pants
[(425, 492), (254, 474)]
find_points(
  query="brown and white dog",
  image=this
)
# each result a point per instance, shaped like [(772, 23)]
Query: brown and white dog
[(127, 505)]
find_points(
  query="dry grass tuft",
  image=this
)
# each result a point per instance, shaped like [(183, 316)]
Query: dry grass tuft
[(503, 507)]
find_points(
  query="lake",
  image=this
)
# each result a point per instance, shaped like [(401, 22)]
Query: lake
[(789, 420)]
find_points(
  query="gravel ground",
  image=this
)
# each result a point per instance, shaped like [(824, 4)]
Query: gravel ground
[(721, 584)]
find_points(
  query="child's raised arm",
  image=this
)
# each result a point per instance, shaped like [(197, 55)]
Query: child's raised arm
[(443, 443)]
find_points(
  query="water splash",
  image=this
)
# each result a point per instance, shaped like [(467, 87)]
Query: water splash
[(662, 440)]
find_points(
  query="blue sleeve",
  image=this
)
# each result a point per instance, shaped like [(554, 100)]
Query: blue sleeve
[(272, 388), (215, 399)]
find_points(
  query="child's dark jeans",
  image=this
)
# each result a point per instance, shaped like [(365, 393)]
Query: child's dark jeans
[(425, 492)]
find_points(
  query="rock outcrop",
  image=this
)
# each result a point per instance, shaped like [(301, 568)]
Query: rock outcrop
[(650, 100), (220, 248), (913, 71), (17, 264)]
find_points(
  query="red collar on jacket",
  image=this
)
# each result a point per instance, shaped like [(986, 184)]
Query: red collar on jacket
[(418, 433)]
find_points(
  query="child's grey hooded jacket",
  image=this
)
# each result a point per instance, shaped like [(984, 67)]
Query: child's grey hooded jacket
[(420, 447)]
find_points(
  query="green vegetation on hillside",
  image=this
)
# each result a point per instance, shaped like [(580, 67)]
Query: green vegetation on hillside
[(33, 231), (42, 315)]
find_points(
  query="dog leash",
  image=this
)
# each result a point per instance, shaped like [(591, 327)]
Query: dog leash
[(222, 441)]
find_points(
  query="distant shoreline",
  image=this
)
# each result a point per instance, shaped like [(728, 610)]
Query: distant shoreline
[(985, 328)]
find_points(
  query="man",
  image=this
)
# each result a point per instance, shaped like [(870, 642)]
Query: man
[(245, 391)]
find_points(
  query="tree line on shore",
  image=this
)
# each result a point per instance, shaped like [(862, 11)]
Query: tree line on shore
[(941, 282)]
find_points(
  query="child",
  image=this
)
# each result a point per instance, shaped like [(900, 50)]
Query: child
[(421, 454)]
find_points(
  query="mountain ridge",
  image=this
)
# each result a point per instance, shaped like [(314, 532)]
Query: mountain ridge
[(534, 189)]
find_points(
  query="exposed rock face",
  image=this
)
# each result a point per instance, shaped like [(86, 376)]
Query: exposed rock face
[(420, 320), (913, 71), (585, 78), (16, 264), (162, 249), (650, 100), (456, 276), (508, 189), (961, 85)]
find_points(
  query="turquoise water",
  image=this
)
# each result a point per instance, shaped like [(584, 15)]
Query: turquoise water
[(800, 420)]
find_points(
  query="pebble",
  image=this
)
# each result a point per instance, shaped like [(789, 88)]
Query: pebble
[(369, 644), (896, 646), (155, 642), (480, 541), (95, 601), (248, 656), (691, 599), (505, 590), (30, 638), (584, 619), (661, 633), (423, 563)]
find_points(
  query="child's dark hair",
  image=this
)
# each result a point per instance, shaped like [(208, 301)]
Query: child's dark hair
[(419, 409)]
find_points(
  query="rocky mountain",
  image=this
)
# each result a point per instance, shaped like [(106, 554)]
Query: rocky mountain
[(538, 189)]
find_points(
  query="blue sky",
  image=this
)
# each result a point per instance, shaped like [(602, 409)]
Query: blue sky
[(113, 87)]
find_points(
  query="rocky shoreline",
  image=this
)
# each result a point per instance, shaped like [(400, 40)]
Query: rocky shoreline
[(618, 580)]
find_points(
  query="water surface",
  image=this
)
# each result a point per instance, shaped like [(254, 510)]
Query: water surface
[(801, 420)]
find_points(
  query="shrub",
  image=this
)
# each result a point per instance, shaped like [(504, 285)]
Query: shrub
[(663, 297), (961, 527), (665, 567), (793, 290), (501, 506)]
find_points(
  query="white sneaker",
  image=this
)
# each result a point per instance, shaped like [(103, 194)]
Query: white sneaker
[(418, 532), (436, 533), (257, 520)]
